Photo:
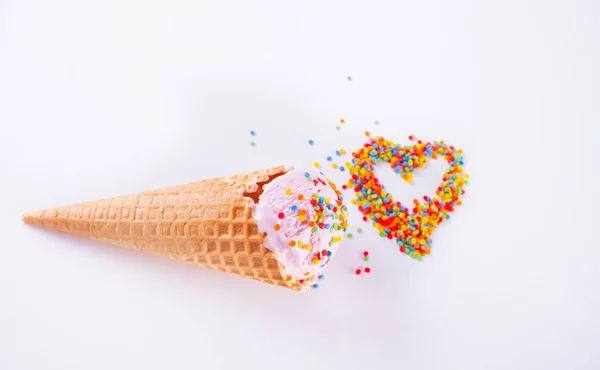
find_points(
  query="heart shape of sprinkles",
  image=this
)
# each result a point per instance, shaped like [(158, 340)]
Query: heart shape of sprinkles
[(410, 226)]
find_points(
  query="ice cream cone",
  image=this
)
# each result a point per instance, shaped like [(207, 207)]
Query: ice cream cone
[(207, 223)]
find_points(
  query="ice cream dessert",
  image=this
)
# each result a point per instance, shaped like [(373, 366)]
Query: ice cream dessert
[(304, 218), (278, 225)]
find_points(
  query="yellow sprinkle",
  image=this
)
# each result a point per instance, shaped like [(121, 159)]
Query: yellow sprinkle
[(334, 165), (316, 164), (299, 243), (342, 151), (306, 273), (288, 191), (315, 261), (308, 247)]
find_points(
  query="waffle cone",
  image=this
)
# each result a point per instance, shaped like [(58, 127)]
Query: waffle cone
[(207, 223)]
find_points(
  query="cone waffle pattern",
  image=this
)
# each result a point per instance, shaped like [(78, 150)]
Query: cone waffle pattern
[(207, 223)]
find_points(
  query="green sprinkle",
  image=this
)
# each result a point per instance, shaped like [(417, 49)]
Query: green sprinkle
[(315, 229), (252, 143), (338, 128), (382, 234), (376, 122), (360, 230), (366, 258), (350, 236)]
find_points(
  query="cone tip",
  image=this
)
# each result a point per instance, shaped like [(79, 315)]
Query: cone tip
[(29, 217)]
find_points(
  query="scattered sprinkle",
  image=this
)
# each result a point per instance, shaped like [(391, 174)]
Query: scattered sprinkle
[(367, 133), (292, 243), (277, 227), (281, 215), (342, 120), (366, 258), (252, 143), (252, 133), (310, 142), (288, 191), (329, 159), (342, 168), (365, 253), (316, 165), (349, 78), (359, 230), (367, 270), (338, 153), (337, 128), (300, 197), (410, 226), (350, 236), (334, 165), (321, 277), (357, 271), (306, 174), (376, 122), (315, 286)]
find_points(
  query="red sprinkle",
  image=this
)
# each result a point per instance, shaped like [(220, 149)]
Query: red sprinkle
[(365, 253), (281, 215), (367, 270), (358, 271)]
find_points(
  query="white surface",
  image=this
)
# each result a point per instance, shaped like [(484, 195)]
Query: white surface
[(102, 100)]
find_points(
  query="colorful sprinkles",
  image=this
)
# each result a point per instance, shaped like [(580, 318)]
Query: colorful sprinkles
[(322, 213), (411, 226)]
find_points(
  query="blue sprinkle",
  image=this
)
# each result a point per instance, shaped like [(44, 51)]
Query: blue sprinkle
[(349, 78), (328, 253), (294, 207), (311, 142), (342, 168), (337, 152), (252, 133), (315, 285), (320, 277), (329, 159), (306, 174)]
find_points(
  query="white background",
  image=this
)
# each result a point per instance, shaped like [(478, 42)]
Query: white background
[(108, 98)]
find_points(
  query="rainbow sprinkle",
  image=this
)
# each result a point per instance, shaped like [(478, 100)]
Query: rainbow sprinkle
[(411, 227), (329, 214)]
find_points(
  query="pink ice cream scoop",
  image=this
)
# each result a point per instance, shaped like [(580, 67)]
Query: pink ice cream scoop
[(304, 218)]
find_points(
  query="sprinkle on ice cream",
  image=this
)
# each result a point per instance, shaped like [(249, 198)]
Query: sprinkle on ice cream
[(304, 217)]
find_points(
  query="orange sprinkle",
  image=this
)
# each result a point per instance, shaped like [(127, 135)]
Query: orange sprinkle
[(342, 120), (311, 224), (277, 227), (292, 243), (302, 212), (367, 133), (300, 196)]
